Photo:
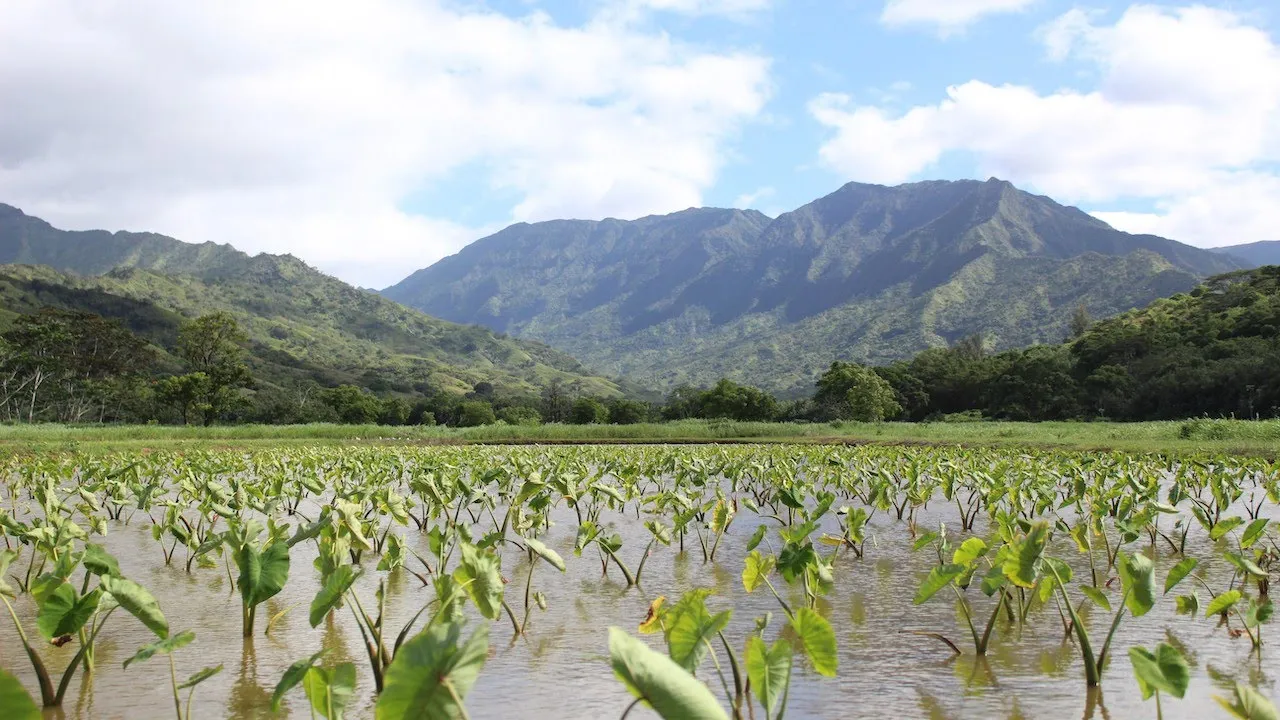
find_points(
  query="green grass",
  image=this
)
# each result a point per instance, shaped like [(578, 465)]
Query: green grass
[(1245, 437)]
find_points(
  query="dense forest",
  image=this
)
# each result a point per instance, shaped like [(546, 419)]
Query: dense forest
[(1212, 351)]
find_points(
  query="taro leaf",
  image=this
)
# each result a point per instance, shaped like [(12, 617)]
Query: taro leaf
[(795, 560), (939, 577), (1096, 596), (167, 645), (63, 613), (338, 582), (138, 602), (1248, 704), (1224, 526), (653, 620), (546, 553), (330, 690), (1188, 604), (100, 562), (690, 634), (587, 533), (660, 532), (768, 669), (757, 569), (1164, 670), (924, 540), (449, 598), (15, 701), (992, 581), (817, 639), (292, 677), (969, 550), (1222, 602), (429, 671), (1138, 577), (310, 530), (200, 677), (1245, 565), (1253, 532), (479, 574), (1179, 572), (757, 537), (6, 558), (1020, 566), (262, 574), (657, 680), (1258, 613)]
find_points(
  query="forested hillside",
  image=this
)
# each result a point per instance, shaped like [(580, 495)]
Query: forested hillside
[(869, 273)]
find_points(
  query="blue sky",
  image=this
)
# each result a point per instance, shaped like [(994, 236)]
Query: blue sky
[(372, 139)]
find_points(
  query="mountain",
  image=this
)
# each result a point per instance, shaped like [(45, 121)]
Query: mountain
[(867, 273), (302, 324), (1255, 254)]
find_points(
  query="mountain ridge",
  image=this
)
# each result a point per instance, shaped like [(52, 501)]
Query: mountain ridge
[(302, 323), (820, 281)]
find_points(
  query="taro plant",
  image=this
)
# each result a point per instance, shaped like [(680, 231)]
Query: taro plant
[(63, 612), (1014, 563), (1162, 669), (1137, 579), (328, 690), (167, 646)]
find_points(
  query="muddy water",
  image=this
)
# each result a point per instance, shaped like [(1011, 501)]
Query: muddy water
[(560, 669)]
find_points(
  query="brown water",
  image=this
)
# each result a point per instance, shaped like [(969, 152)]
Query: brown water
[(561, 670)]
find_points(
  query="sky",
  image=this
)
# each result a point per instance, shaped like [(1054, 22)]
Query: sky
[(373, 138)]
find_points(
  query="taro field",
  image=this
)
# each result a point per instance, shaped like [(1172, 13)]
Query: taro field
[(764, 581)]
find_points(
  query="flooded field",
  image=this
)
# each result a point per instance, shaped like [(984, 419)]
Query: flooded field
[(1118, 525)]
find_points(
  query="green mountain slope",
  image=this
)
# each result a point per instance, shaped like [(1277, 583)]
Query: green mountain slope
[(868, 273), (301, 322)]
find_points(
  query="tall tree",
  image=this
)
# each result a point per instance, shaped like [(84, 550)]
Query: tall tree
[(213, 345)]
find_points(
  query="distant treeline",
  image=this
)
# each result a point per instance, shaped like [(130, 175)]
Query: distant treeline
[(1212, 352)]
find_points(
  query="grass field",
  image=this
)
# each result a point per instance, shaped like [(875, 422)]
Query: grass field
[(1261, 437)]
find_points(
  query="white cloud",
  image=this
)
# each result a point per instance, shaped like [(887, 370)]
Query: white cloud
[(751, 200), (1187, 103), (704, 7), (947, 16), (300, 126)]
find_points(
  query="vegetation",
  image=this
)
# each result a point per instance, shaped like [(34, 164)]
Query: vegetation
[(1030, 540), (302, 326), (868, 274)]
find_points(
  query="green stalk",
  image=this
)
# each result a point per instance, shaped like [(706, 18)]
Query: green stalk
[(42, 674), (1082, 635)]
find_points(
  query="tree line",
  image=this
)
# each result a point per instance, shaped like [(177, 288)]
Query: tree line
[(1212, 352)]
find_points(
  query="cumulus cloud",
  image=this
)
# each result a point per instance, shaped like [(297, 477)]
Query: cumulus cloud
[(1187, 103), (302, 126), (947, 16)]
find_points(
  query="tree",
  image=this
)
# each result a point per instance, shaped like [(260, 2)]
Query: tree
[(849, 391), (588, 411), (212, 345), (627, 412), (472, 413), (731, 400), (186, 393), (555, 402), (69, 366), (1081, 321), (353, 405), (395, 411), (520, 415), (684, 402)]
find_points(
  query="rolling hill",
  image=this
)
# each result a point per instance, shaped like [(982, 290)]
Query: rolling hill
[(867, 273), (302, 323)]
